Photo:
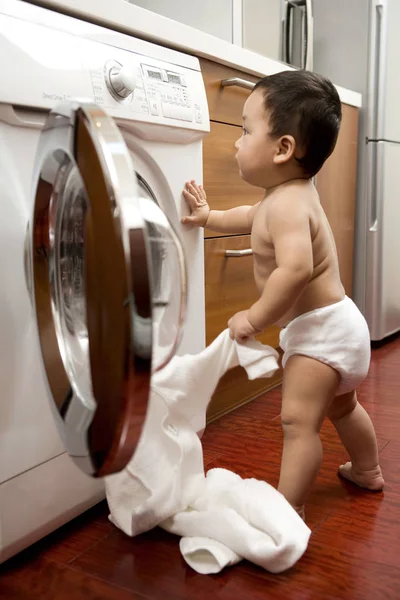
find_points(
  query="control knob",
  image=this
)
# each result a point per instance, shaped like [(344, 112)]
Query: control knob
[(122, 80)]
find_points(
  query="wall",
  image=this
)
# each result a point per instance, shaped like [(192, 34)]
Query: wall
[(262, 27), (212, 16)]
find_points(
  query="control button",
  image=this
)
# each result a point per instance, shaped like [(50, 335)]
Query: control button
[(121, 81), (177, 112), (154, 108), (183, 81), (198, 116), (186, 114), (167, 111)]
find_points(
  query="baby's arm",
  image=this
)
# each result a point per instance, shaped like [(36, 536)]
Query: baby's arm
[(234, 220), (289, 227)]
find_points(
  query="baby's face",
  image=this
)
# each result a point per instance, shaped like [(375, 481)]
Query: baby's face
[(255, 148)]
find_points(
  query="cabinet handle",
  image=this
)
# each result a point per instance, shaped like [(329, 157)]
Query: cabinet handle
[(238, 253), (243, 83)]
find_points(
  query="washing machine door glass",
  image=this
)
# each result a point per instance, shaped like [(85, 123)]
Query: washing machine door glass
[(168, 284), (106, 268)]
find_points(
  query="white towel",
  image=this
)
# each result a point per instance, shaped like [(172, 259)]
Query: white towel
[(189, 381), (239, 518), (165, 478)]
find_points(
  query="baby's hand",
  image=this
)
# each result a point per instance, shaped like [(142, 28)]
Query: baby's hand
[(240, 328), (196, 198)]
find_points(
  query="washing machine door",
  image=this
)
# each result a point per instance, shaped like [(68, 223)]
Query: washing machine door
[(98, 249)]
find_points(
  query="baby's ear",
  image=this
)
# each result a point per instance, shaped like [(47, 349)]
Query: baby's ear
[(285, 149)]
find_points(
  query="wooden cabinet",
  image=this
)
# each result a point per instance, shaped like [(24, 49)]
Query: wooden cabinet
[(229, 281), (336, 185), (225, 104), (222, 182), (229, 288)]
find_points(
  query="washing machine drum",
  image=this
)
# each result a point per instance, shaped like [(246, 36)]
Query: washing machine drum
[(108, 285)]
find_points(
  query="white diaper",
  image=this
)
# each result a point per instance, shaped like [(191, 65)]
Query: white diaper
[(336, 335)]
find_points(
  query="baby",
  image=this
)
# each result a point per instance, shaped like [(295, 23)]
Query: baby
[(291, 122)]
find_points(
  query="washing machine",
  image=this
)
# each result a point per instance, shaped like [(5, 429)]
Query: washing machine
[(100, 283)]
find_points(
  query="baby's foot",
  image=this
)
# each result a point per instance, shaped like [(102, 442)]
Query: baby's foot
[(371, 480)]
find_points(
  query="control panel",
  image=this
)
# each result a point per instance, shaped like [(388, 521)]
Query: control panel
[(126, 82), (150, 88)]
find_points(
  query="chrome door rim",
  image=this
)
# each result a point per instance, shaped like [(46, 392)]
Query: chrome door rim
[(101, 429)]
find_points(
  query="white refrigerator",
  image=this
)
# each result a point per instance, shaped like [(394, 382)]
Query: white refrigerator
[(357, 45), (377, 272)]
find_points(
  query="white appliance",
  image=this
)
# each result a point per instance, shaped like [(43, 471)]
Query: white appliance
[(98, 133), (360, 48), (356, 44)]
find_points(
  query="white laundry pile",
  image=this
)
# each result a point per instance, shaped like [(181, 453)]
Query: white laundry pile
[(221, 517)]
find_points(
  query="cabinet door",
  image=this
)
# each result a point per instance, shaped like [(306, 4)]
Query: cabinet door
[(222, 182), (229, 288), (225, 104), (336, 185)]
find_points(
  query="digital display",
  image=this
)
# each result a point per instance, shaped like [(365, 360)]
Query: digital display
[(154, 74), (172, 78)]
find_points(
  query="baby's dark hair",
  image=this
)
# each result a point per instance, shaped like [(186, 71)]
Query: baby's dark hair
[(306, 106)]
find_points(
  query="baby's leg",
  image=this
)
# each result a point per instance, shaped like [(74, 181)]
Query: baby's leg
[(309, 388), (357, 433)]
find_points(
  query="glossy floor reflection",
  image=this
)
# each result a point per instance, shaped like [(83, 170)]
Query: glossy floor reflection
[(354, 551)]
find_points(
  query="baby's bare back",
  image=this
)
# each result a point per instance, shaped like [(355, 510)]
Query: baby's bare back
[(324, 286)]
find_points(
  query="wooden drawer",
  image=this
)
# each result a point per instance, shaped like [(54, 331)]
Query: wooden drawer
[(222, 182), (225, 104), (336, 185), (230, 286)]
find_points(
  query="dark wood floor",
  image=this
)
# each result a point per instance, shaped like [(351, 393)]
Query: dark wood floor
[(354, 551)]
